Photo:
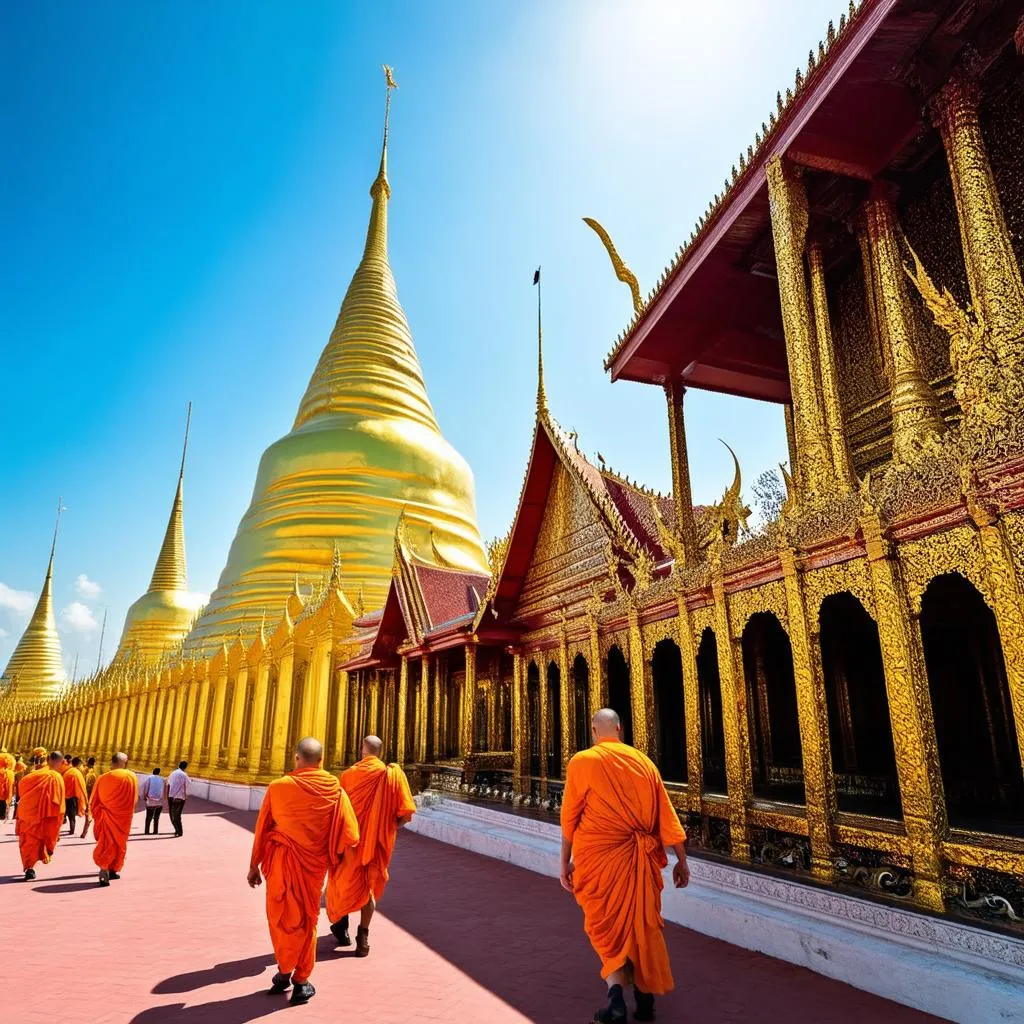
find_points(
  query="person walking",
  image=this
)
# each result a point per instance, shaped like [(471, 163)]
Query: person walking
[(178, 784), (153, 796)]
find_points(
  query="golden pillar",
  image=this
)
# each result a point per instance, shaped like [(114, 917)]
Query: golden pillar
[(339, 754), (910, 711), (202, 712), (422, 754), (685, 526), (152, 721), (819, 784), (567, 702), (403, 696), (916, 423), (598, 683), (545, 718), (279, 759), (641, 686), (238, 705), (691, 704), (467, 731), (188, 732), (211, 757), (734, 725), (519, 721), (788, 201), (170, 720), (259, 715), (827, 368), (319, 686)]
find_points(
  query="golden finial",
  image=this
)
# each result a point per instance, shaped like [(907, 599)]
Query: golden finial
[(622, 272), (542, 398), (381, 184)]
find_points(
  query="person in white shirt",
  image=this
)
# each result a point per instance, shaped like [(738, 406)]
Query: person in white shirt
[(153, 796), (177, 793)]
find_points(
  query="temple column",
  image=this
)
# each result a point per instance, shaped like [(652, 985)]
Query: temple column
[(641, 686), (191, 713), (916, 423), (467, 731), (356, 720), (202, 712), (211, 758), (910, 712), (259, 715), (567, 701), (338, 755), (424, 719), (597, 684), (519, 721), (685, 527), (374, 718), (439, 730), (545, 718), (170, 718), (827, 368), (819, 783), (237, 716), (403, 696), (318, 690), (734, 725), (691, 704), (788, 201), (282, 713), (146, 751)]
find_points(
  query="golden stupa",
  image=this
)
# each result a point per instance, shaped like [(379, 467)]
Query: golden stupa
[(159, 620), (365, 446), (36, 669)]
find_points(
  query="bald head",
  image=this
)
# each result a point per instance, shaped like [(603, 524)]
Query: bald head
[(372, 746), (55, 758), (606, 725), (119, 761), (309, 753)]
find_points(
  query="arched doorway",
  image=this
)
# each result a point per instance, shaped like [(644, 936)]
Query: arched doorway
[(860, 729), (618, 691), (581, 691), (533, 710), (555, 715), (669, 711), (775, 753), (981, 769), (712, 733)]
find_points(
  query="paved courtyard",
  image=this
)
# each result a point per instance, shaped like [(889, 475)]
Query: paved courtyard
[(459, 937)]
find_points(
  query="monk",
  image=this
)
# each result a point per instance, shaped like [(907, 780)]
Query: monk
[(40, 813), (305, 824), (383, 803), (90, 780), (112, 807), (616, 822), (75, 799), (20, 768), (7, 763)]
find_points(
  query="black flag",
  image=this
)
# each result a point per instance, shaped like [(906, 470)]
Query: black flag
[(536, 276)]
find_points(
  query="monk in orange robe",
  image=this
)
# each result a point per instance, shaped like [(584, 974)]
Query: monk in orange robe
[(40, 814), (305, 824), (383, 802), (112, 806), (7, 763), (616, 822), (75, 800)]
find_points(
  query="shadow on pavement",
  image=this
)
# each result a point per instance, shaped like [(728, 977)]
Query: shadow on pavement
[(68, 886), (226, 1011)]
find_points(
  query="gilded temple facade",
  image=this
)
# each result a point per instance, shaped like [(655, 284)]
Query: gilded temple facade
[(838, 694)]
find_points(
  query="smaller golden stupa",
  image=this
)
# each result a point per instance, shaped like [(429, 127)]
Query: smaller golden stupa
[(36, 669), (157, 621)]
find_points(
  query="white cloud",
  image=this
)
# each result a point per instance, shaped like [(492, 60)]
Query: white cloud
[(19, 601), (79, 618), (3, 633), (87, 587)]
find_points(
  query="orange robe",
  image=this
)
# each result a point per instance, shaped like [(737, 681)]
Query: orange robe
[(6, 783), (305, 824), (40, 815), (618, 817), (112, 807), (74, 788), (380, 795)]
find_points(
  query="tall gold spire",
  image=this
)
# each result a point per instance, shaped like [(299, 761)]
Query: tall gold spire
[(365, 443), (36, 669), (159, 619), (542, 398)]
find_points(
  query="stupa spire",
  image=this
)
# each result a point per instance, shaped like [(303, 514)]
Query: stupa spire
[(542, 397), (171, 572), (36, 669)]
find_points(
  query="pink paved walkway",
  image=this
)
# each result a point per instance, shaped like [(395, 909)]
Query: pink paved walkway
[(462, 938)]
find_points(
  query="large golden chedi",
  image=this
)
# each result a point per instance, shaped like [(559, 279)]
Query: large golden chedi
[(364, 447)]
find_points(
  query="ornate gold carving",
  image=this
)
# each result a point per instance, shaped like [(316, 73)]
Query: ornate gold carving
[(768, 597), (622, 272), (956, 550), (725, 520)]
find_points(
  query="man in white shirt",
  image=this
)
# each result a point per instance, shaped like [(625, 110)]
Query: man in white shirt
[(177, 794), (153, 796)]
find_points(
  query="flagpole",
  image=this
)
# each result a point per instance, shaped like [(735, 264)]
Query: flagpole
[(542, 398)]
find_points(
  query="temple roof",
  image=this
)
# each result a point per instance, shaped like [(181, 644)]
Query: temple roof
[(36, 668), (713, 319)]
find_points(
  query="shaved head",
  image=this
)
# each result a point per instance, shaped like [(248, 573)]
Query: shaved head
[(372, 746), (56, 757), (606, 724), (119, 760), (309, 752)]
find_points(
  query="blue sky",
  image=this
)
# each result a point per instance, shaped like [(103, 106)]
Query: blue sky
[(183, 198)]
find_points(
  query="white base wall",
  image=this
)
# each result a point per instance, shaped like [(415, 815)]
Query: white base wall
[(229, 794), (942, 967)]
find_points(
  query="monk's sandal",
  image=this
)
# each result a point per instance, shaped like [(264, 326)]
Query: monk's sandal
[(104, 878), (615, 1011), (644, 1005), (340, 932), (362, 941), (280, 983), (302, 993)]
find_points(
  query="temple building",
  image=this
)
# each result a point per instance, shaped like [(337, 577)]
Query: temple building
[(836, 696)]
